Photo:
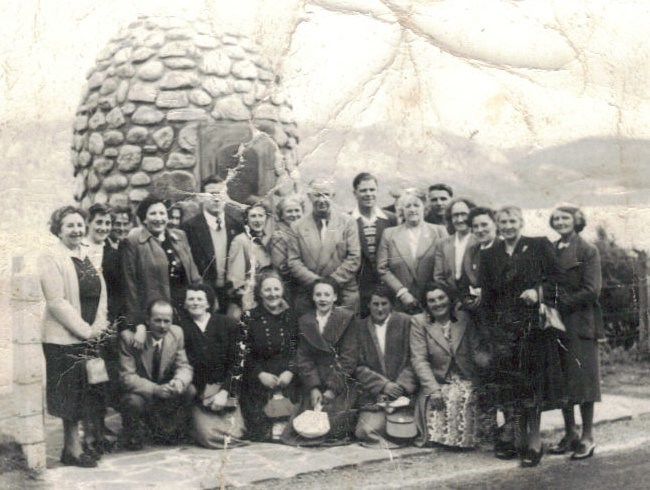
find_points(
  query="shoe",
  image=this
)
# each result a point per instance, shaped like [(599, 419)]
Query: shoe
[(505, 450), (83, 461), (567, 443), (583, 451), (91, 450), (132, 444), (531, 458)]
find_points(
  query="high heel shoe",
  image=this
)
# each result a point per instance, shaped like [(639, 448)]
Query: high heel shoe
[(531, 458), (82, 461), (583, 451), (567, 443)]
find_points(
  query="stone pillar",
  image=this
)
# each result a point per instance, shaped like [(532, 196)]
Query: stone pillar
[(28, 382)]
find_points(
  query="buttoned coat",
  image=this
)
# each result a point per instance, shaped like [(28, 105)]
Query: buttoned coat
[(396, 265), (444, 270)]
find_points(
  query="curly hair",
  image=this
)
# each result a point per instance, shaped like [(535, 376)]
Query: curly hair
[(579, 218), (57, 217)]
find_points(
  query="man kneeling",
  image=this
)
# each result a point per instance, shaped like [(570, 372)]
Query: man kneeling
[(383, 369), (157, 381)]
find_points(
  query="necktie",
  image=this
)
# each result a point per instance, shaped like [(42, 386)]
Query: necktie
[(562, 245), (155, 366), (218, 220)]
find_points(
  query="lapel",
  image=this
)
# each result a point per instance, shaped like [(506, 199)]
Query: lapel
[(147, 356), (393, 362), (568, 257), (435, 332), (449, 252), (168, 351), (457, 334), (401, 240), (427, 240), (203, 237), (311, 236), (375, 341), (334, 327), (309, 331), (328, 244)]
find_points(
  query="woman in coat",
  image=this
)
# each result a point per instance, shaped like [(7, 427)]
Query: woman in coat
[(580, 312), (270, 370), (443, 347), (405, 258), (326, 360), (525, 358), (75, 312), (289, 210)]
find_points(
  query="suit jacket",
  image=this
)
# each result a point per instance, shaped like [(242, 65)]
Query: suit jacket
[(112, 271), (200, 240), (146, 269), (395, 263), (374, 369), (338, 256), (327, 361), (444, 270), (580, 289), (136, 366)]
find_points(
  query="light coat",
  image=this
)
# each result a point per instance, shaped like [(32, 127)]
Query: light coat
[(444, 270)]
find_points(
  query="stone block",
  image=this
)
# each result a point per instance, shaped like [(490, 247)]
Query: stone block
[(249, 45), (150, 148), (216, 86), (110, 152), (107, 102), (118, 199), (155, 40), (286, 115), (235, 52), (142, 92), (179, 33), (164, 137), (92, 181), (152, 164), (113, 137), (128, 108), (179, 63), (206, 41), (152, 70), (83, 159), (199, 97), (229, 39), (78, 142), (140, 179), (265, 75), (189, 114), (178, 79), (137, 195), (101, 198), (125, 71), (97, 120), (122, 91), (278, 98), (231, 107), (103, 165), (115, 183), (137, 134), (123, 55), (280, 137), (96, 80), (167, 99), (249, 98), (107, 52), (244, 69), (30, 428), (95, 144), (176, 183), (188, 137), (147, 116), (80, 123), (266, 111), (142, 54), (92, 101), (243, 86), (108, 87), (129, 158), (80, 186), (35, 456), (178, 161), (175, 48), (215, 63), (28, 369), (115, 118)]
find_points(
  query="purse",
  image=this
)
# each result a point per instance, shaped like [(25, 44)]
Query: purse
[(96, 371), (278, 407), (401, 424), (549, 317), (311, 424)]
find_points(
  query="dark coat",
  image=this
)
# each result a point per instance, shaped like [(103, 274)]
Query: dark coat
[(374, 370), (112, 272), (444, 270)]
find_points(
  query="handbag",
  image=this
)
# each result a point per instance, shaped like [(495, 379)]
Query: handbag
[(96, 371), (401, 424), (549, 317), (311, 424), (278, 407)]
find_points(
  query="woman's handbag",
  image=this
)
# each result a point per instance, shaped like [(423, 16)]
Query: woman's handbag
[(96, 371), (311, 424), (278, 407), (549, 317), (401, 424)]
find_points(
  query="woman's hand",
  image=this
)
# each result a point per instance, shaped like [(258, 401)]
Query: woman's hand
[(140, 337), (393, 390), (269, 380), (285, 379), (98, 330), (407, 299), (436, 401), (328, 397), (316, 397), (529, 296)]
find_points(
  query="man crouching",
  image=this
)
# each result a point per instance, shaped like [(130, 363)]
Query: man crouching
[(157, 381)]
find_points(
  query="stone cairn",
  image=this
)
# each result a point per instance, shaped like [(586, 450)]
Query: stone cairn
[(155, 83)]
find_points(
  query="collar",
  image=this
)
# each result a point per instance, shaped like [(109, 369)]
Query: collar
[(489, 245), (145, 235), (460, 241), (212, 219), (114, 244), (381, 325), (376, 213), (64, 251)]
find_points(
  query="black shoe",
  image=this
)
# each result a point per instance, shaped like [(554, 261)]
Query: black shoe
[(531, 458), (132, 444), (568, 443), (91, 450), (583, 451), (83, 461), (505, 450)]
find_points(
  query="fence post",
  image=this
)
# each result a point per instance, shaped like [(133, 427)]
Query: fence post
[(28, 364), (644, 303)]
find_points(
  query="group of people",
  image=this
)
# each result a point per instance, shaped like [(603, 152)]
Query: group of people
[(412, 323)]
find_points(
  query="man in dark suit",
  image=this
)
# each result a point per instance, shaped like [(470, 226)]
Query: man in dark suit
[(209, 234), (383, 368), (371, 222), (157, 380), (438, 196)]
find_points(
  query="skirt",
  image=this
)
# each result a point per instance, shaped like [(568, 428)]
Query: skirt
[(214, 430), (66, 385), (581, 366)]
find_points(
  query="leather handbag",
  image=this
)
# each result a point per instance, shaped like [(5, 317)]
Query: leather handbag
[(311, 424), (96, 371), (401, 424), (278, 407)]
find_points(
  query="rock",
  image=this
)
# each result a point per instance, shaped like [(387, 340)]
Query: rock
[(128, 108), (244, 69), (231, 107), (83, 159), (129, 158), (265, 75), (180, 160), (203, 28), (174, 184), (152, 164), (95, 144), (80, 188), (142, 92), (97, 120), (266, 111), (188, 138), (125, 71), (216, 86), (150, 148), (115, 118), (172, 98), (179, 33), (92, 181), (78, 142), (137, 195), (113, 137), (137, 134), (243, 86), (152, 70), (122, 56), (102, 165), (278, 98), (92, 101), (248, 98), (262, 62), (179, 63), (107, 102), (164, 137), (215, 63), (110, 71), (205, 41), (235, 52), (280, 136), (96, 80), (175, 79), (140, 179), (292, 142), (286, 115), (107, 52), (142, 54), (80, 123), (118, 200), (146, 115), (190, 114), (115, 183), (229, 39), (100, 198), (199, 97), (122, 90), (175, 48), (155, 40), (110, 152), (249, 45), (108, 87)]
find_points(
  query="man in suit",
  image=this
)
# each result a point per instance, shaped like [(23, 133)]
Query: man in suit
[(325, 244), (157, 380), (371, 222), (210, 233), (383, 368), (439, 196), (450, 252)]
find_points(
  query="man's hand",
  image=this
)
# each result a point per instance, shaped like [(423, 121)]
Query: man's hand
[(285, 379), (328, 397), (162, 391), (407, 299), (393, 390), (436, 402), (316, 397), (139, 337), (269, 380), (176, 386)]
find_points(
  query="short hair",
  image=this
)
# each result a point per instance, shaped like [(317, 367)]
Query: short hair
[(211, 179), (178, 207), (158, 302), (432, 286), (480, 211), (470, 204), (441, 187), (284, 202), (263, 276), (383, 291), (363, 176), (329, 281), (248, 209), (399, 205), (510, 210), (207, 289), (98, 209), (146, 203), (57, 217), (122, 210), (579, 218)]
